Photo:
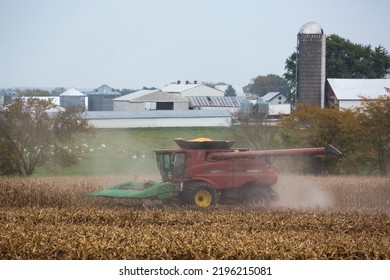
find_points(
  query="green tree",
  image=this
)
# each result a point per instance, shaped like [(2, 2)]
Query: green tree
[(311, 126), (261, 85), (290, 75), (33, 135), (230, 91), (374, 121), (345, 59)]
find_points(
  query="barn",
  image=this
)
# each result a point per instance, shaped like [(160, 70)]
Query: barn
[(348, 93)]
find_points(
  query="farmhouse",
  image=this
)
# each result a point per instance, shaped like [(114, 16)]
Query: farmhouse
[(348, 93), (274, 98)]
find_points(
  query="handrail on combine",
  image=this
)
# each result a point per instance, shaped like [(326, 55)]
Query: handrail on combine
[(328, 149)]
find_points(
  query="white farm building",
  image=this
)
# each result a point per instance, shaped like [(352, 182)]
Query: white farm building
[(348, 93), (167, 118), (274, 98), (150, 100), (188, 89)]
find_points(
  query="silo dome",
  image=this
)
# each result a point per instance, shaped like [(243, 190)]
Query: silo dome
[(311, 28)]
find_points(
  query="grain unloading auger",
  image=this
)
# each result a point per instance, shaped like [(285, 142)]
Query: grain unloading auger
[(205, 172)]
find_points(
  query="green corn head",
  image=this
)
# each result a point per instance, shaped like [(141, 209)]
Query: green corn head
[(148, 190)]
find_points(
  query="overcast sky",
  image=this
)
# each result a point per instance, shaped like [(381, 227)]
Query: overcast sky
[(136, 43)]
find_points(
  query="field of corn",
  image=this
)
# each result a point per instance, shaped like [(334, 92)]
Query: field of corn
[(315, 218)]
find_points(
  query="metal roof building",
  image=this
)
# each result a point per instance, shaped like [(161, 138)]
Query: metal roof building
[(188, 118), (188, 89), (150, 100), (215, 102), (347, 93), (101, 98), (73, 98)]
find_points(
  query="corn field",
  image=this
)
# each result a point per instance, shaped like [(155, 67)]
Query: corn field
[(315, 218)]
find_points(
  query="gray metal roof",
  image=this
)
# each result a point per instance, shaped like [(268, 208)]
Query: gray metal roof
[(150, 95), (134, 95), (215, 101), (104, 90), (156, 114)]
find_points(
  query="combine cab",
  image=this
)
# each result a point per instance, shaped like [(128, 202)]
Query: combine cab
[(203, 172)]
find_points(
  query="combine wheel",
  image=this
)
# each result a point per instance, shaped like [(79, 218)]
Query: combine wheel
[(203, 196), (257, 196)]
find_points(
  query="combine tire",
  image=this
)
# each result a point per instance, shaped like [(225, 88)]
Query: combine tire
[(203, 196), (257, 196)]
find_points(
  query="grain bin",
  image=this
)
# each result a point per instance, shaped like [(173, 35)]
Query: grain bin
[(101, 99), (72, 98)]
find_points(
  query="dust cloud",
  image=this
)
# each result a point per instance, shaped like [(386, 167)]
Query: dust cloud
[(300, 192)]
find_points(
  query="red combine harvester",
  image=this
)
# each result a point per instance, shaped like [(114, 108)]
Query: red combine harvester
[(204, 172)]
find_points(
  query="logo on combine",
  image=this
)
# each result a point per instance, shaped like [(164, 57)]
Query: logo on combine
[(254, 171)]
